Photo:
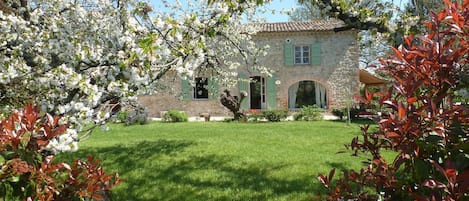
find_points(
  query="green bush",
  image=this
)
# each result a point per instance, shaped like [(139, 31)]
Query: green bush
[(309, 113), (355, 111), (341, 113), (133, 114), (138, 115), (255, 117), (274, 115), (175, 116), (122, 116)]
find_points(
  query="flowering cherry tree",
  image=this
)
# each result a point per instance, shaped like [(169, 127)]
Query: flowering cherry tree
[(80, 58)]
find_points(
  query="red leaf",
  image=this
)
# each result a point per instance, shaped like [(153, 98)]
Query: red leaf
[(401, 111), (408, 39), (411, 100), (430, 25), (451, 175), (42, 143), (398, 54), (442, 15), (331, 174), (426, 40), (450, 172), (98, 196), (323, 180), (57, 131), (393, 135)]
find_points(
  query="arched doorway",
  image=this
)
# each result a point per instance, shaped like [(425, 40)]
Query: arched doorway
[(307, 92)]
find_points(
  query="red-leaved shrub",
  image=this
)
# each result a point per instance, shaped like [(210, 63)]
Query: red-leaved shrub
[(28, 171), (426, 128)]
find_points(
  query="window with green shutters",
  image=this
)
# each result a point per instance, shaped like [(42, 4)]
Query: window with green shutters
[(204, 89), (271, 92), (186, 90), (288, 54), (316, 54), (200, 90), (302, 54), (213, 89)]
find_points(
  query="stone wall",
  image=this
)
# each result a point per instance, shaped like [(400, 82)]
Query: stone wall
[(169, 97), (338, 71)]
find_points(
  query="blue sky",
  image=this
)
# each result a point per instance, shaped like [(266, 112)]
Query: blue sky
[(276, 5), (279, 5)]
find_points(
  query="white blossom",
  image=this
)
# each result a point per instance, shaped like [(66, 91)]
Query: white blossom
[(74, 58), (65, 142)]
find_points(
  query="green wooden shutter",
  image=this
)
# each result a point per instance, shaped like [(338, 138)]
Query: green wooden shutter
[(316, 54), (271, 93), (212, 88), (288, 54), (186, 90), (243, 85)]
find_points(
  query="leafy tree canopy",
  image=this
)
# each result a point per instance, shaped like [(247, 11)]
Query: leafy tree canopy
[(378, 16)]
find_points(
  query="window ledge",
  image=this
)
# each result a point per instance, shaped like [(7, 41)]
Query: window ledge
[(200, 99)]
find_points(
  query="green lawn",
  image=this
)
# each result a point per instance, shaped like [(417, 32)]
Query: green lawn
[(221, 161)]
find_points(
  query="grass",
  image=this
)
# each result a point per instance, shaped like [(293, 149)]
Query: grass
[(221, 161)]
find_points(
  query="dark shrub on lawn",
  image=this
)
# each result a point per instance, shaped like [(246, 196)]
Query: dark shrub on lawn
[(133, 114), (339, 113), (175, 116), (309, 113), (274, 115)]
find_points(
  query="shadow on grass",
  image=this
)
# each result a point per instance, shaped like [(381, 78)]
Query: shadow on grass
[(358, 121), (163, 170), (339, 167)]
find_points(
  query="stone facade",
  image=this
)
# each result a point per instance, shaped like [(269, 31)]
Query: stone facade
[(170, 97), (335, 68)]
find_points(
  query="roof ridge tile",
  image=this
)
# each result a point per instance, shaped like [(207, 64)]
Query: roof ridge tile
[(312, 25)]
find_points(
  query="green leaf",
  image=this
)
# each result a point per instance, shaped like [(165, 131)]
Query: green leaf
[(8, 154), (211, 32), (224, 18), (14, 179), (422, 169)]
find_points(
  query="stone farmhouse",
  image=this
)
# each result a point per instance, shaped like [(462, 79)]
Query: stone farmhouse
[(312, 63)]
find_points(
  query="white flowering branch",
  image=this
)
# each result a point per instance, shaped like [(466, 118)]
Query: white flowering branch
[(81, 58)]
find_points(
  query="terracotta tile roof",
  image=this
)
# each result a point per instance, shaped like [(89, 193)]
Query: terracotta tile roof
[(315, 25)]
